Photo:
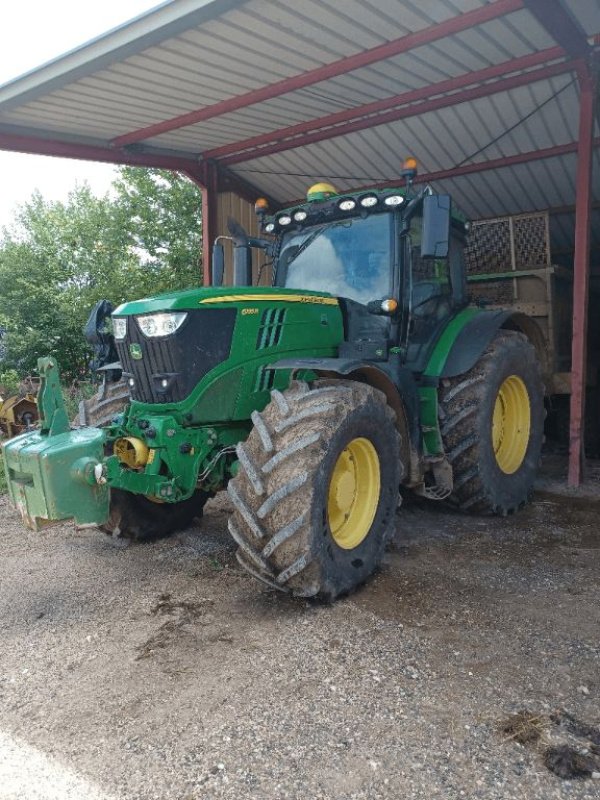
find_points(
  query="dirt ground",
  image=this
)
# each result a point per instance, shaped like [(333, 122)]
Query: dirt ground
[(162, 671)]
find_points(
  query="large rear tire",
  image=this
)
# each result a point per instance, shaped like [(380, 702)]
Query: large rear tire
[(317, 489), (492, 424)]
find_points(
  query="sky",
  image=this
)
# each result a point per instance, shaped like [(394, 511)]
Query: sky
[(33, 32)]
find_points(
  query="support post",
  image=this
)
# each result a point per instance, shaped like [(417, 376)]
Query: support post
[(210, 188), (581, 274)]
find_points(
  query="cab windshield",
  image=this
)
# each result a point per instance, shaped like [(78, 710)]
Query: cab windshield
[(348, 258)]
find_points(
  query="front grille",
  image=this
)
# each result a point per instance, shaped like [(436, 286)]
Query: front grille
[(180, 360)]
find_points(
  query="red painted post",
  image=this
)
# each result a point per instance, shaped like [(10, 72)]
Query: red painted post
[(209, 187), (581, 275)]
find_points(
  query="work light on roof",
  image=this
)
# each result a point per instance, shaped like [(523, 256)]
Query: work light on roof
[(394, 200), (284, 219), (348, 204), (369, 200), (269, 227), (409, 169), (300, 215)]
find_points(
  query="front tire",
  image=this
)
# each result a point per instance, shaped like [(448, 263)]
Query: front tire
[(133, 516), (492, 425), (317, 489)]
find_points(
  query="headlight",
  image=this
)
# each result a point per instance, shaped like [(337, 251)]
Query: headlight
[(119, 325), (347, 205), (161, 324), (300, 216), (394, 200)]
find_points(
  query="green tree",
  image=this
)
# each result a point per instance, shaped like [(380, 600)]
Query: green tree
[(59, 259), (163, 211)]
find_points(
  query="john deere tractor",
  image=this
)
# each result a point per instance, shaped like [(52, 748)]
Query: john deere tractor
[(361, 370)]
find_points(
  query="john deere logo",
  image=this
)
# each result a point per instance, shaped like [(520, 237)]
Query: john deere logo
[(136, 351)]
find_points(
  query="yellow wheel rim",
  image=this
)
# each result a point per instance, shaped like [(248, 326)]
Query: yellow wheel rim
[(353, 495), (511, 424)]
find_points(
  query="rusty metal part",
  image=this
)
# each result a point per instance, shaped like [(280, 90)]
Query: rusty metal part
[(17, 415)]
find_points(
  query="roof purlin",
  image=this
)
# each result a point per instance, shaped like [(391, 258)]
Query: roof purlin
[(363, 58), (408, 111), (422, 93)]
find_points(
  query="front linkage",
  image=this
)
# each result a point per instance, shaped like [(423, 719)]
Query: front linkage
[(56, 473)]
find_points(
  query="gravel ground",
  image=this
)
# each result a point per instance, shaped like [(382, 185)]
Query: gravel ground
[(162, 671)]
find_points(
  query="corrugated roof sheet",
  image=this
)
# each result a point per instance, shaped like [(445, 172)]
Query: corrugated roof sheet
[(191, 54)]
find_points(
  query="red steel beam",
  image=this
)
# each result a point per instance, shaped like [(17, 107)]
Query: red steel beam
[(37, 145), (581, 276), (342, 66), (414, 95), (494, 163), (209, 186), (469, 169), (405, 112)]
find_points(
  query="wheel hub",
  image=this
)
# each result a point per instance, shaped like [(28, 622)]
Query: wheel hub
[(354, 491), (511, 424)]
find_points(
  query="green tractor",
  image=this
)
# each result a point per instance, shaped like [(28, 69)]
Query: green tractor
[(361, 370)]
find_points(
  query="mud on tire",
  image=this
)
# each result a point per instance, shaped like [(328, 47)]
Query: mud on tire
[(280, 495), (466, 418)]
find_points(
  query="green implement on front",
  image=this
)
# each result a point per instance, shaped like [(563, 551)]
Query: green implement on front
[(50, 471)]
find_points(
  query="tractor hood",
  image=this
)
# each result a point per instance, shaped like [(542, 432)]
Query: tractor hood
[(210, 296)]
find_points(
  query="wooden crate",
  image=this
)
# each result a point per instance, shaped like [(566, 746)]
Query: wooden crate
[(509, 265)]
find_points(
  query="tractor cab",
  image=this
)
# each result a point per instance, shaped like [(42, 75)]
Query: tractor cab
[(393, 257)]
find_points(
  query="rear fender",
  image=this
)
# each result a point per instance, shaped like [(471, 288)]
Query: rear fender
[(461, 346), (400, 391)]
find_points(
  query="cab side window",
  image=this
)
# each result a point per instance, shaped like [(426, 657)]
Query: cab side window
[(430, 277)]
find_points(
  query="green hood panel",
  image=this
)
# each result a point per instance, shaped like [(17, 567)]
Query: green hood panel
[(211, 295)]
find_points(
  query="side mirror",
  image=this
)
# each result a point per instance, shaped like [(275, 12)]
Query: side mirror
[(218, 264), (435, 240), (242, 266)]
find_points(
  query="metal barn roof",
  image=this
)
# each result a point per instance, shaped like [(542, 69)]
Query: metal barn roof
[(484, 94)]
